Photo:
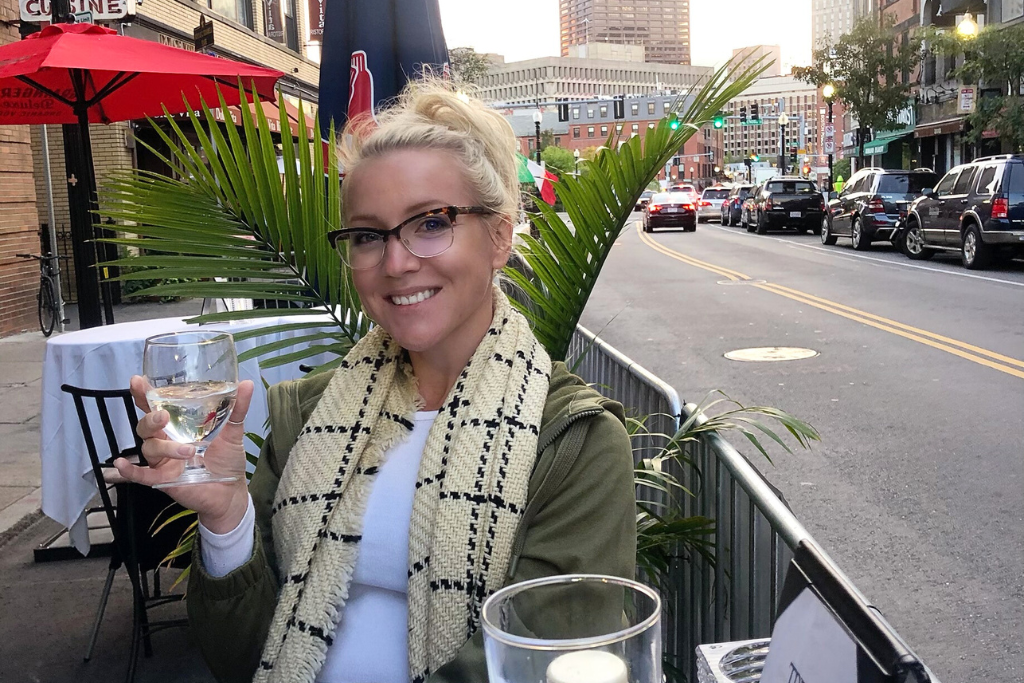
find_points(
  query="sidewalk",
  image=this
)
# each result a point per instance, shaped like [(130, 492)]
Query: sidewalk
[(47, 609), (21, 372)]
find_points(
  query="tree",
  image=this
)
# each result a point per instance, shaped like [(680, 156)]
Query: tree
[(559, 161), (866, 67), (994, 58), (547, 139), (842, 168), (467, 65)]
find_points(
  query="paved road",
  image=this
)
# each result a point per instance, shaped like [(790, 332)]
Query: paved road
[(917, 490)]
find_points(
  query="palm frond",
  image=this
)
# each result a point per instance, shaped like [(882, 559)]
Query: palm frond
[(564, 263), (231, 225)]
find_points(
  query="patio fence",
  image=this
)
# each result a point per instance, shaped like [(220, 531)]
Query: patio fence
[(756, 531)]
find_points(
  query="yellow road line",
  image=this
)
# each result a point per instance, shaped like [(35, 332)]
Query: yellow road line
[(931, 339)]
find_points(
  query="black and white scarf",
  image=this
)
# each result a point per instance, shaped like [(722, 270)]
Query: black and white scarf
[(470, 494)]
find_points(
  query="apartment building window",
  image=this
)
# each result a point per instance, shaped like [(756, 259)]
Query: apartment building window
[(618, 129), (650, 108), (590, 113), (236, 10), (650, 126), (575, 112), (634, 109), (664, 106), (604, 131), (558, 141), (636, 128), (604, 110), (590, 131), (576, 132)]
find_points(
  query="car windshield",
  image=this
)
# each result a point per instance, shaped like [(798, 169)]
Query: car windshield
[(792, 187), (716, 194), (646, 194), (683, 197), (660, 198), (745, 192), (906, 183)]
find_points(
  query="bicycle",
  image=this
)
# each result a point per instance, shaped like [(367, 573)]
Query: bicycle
[(46, 299)]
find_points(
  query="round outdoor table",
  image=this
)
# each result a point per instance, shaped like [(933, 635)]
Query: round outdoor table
[(106, 358)]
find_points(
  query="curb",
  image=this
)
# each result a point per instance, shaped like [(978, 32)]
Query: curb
[(20, 514)]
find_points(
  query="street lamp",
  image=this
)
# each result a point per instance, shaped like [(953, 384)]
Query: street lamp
[(576, 158), (968, 27), (783, 121), (537, 118), (691, 174), (829, 93)]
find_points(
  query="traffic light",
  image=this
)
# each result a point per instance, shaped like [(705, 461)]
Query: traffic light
[(743, 114), (755, 114), (755, 158), (806, 170), (675, 161), (719, 120), (619, 107), (563, 111), (673, 122)]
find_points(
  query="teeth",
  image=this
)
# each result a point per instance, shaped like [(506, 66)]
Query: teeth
[(413, 298)]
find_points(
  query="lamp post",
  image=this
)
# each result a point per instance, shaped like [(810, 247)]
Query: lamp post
[(537, 118), (691, 174), (576, 159), (968, 27), (829, 93), (783, 120)]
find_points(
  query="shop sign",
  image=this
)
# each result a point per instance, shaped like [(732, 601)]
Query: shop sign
[(967, 99), (274, 20), (316, 20), (37, 11)]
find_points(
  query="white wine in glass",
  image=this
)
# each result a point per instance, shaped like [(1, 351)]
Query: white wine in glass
[(194, 377)]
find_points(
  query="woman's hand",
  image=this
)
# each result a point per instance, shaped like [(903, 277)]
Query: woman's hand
[(221, 505)]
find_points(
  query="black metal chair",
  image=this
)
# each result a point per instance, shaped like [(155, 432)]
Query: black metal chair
[(131, 515)]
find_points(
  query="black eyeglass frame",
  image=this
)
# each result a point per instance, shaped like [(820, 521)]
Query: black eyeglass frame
[(452, 212)]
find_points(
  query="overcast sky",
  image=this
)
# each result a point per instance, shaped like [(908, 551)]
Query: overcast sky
[(522, 29)]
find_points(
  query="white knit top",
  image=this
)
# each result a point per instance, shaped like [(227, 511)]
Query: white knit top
[(370, 645)]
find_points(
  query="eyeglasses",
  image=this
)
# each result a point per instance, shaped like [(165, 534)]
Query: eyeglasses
[(425, 235)]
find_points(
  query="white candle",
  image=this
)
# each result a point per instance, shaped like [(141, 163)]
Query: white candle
[(591, 666)]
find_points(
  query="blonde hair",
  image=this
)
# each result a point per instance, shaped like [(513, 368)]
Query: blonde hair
[(430, 114)]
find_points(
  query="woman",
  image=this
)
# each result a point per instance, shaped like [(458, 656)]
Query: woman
[(446, 457)]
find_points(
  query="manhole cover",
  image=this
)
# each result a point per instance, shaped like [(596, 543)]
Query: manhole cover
[(766, 354), (742, 282)]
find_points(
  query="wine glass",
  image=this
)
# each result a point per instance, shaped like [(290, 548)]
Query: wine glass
[(194, 377), (574, 628)]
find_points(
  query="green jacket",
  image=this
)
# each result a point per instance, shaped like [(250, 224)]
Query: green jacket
[(580, 517)]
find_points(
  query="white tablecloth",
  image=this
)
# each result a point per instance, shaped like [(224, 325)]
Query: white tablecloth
[(106, 358)]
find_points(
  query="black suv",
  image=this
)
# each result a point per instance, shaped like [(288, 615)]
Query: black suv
[(976, 209), (868, 208)]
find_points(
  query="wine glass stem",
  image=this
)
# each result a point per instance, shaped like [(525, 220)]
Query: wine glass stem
[(196, 461)]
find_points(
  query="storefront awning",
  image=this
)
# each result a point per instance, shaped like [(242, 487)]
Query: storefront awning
[(880, 145), (944, 127)]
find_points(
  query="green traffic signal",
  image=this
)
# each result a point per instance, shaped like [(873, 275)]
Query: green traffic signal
[(719, 120), (754, 157), (673, 122)]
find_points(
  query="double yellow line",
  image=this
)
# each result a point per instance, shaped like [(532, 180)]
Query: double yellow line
[(975, 354)]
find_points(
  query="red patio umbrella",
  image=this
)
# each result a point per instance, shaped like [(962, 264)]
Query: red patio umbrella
[(81, 73)]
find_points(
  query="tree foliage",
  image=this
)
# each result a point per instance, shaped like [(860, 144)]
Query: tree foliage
[(558, 160), (994, 58), (866, 66), (467, 65)]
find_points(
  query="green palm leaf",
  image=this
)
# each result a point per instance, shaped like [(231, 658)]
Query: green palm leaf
[(563, 265), (230, 224)]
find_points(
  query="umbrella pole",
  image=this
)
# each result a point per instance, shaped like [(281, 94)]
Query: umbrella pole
[(103, 250)]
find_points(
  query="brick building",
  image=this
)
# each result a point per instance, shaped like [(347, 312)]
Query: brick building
[(244, 34), (18, 223)]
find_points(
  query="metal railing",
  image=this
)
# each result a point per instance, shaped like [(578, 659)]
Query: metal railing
[(756, 532)]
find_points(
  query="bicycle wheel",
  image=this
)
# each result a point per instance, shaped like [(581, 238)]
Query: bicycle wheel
[(47, 307)]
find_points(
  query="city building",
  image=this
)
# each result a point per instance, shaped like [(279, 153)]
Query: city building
[(272, 34), (661, 26), (19, 227), (802, 104), (591, 123), (548, 79), (832, 18), (771, 54)]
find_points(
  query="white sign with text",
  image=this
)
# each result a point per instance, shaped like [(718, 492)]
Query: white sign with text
[(37, 11)]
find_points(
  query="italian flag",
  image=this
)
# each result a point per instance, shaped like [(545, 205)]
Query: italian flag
[(532, 172)]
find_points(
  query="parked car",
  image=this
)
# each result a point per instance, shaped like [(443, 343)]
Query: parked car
[(976, 209), (670, 209), (786, 202), (710, 203), (645, 197), (747, 208), (732, 207), (868, 208)]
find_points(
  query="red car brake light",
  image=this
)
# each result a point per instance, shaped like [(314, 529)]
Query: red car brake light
[(688, 206), (1000, 208), (876, 205), (768, 204), (654, 208)]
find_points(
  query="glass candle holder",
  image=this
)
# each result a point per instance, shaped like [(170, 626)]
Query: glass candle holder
[(575, 628)]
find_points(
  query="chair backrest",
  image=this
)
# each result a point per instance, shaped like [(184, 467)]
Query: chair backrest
[(137, 507)]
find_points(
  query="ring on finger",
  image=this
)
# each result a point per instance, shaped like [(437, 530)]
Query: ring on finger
[(238, 422)]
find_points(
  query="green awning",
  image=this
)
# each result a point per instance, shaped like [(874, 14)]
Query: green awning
[(880, 145)]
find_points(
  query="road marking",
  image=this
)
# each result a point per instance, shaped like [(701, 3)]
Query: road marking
[(975, 354), (831, 251)]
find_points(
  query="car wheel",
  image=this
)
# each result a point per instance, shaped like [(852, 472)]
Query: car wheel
[(647, 226), (975, 254), (701, 219), (762, 224), (827, 238), (727, 218), (913, 243), (857, 238), (749, 224)]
